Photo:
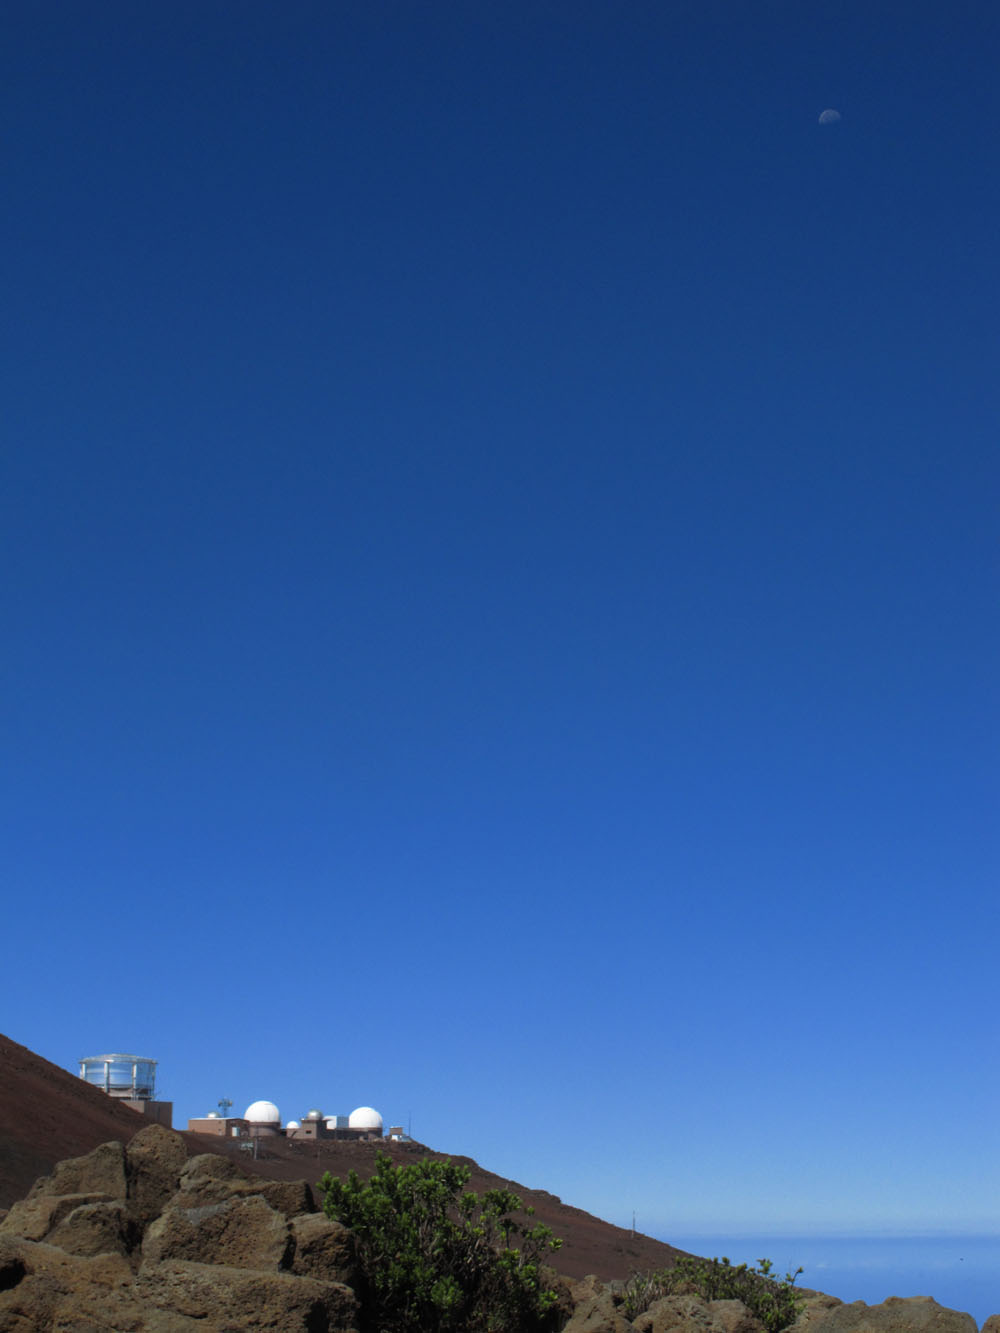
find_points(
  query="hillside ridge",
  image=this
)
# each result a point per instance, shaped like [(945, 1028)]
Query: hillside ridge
[(48, 1114)]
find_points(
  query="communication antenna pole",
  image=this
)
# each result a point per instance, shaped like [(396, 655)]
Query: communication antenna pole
[(224, 1104)]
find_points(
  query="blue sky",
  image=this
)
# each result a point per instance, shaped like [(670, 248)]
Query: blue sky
[(498, 515)]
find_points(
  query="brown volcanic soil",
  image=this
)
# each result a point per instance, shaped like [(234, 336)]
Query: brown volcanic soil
[(589, 1245), (47, 1114)]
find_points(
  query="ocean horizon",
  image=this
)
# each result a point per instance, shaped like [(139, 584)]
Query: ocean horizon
[(959, 1271)]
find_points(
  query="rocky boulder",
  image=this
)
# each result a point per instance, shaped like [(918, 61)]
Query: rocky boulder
[(597, 1308), (323, 1249), (240, 1233), (102, 1172), (691, 1314), (228, 1300), (141, 1240), (914, 1314), (209, 1178), (735, 1317), (99, 1177), (33, 1218), (154, 1160), (102, 1227), (44, 1288)]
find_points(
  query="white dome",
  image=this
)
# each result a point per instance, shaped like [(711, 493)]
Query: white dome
[(365, 1118), (262, 1113), (292, 1124), (213, 1115), (314, 1114)]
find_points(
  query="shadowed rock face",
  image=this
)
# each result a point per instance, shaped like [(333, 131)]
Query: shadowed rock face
[(141, 1238)]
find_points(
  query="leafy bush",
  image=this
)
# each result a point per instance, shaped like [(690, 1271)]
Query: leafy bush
[(435, 1257), (775, 1303)]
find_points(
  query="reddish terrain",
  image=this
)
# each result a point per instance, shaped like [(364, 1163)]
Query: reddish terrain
[(47, 1114)]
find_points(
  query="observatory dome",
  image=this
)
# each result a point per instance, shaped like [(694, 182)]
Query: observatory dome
[(263, 1113), (314, 1114), (364, 1117), (292, 1124), (213, 1115)]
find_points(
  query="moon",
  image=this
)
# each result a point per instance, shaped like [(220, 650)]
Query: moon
[(829, 116)]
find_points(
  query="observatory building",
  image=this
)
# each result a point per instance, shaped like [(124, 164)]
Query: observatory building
[(363, 1123), (262, 1120), (224, 1126), (130, 1079)]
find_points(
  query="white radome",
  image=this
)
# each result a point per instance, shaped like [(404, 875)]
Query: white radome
[(364, 1117), (262, 1113), (293, 1124)]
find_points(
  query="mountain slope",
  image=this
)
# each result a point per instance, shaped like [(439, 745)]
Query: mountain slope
[(47, 1114)]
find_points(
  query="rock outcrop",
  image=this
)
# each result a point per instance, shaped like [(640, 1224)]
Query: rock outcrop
[(914, 1314), (596, 1308), (599, 1308), (143, 1240), (691, 1314)]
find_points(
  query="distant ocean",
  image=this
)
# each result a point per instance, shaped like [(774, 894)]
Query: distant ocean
[(962, 1272)]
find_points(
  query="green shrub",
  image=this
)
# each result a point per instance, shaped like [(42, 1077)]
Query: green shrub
[(435, 1257), (775, 1303)]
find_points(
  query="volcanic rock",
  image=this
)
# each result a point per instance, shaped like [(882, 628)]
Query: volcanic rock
[(103, 1227), (913, 1314), (228, 1300), (34, 1217), (160, 1259), (735, 1317), (42, 1288), (154, 1161), (209, 1179), (101, 1172), (597, 1308), (241, 1233), (323, 1249), (684, 1314)]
